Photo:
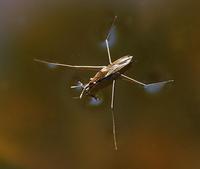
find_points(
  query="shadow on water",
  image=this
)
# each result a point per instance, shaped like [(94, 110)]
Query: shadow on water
[(42, 126)]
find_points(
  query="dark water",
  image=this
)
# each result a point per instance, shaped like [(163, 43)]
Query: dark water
[(42, 126)]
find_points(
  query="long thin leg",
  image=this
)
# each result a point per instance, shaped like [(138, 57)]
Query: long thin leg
[(71, 66), (131, 80), (107, 39), (113, 116), (83, 91), (143, 84), (79, 85), (108, 50)]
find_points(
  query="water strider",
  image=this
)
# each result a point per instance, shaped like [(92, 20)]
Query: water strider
[(106, 75)]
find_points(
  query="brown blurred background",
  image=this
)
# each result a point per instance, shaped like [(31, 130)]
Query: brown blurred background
[(43, 127)]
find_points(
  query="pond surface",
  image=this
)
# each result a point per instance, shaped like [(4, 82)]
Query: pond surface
[(42, 126)]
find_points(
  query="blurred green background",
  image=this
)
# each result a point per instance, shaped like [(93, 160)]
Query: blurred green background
[(42, 126)]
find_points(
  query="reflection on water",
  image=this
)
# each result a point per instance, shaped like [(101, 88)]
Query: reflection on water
[(52, 66), (112, 38), (156, 87), (42, 126), (95, 101)]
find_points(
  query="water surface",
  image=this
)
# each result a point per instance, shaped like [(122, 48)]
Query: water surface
[(42, 126)]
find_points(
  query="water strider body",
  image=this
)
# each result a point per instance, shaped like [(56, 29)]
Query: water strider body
[(106, 75)]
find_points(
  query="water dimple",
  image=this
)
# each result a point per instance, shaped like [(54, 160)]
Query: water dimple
[(112, 38), (95, 101)]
